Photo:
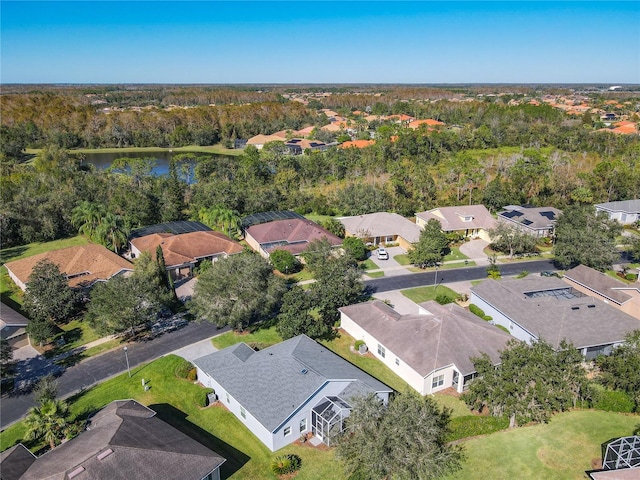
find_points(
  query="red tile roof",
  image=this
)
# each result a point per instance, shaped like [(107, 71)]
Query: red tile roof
[(294, 234), (429, 122), (187, 247), (357, 144)]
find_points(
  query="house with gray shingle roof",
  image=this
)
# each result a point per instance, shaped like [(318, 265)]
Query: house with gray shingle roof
[(124, 440), (623, 296), (546, 308), (472, 221), (381, 228), (430, 350), (536, 221), (626, 211), (287, 390)]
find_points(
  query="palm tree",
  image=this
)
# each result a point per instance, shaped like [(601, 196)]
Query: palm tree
[(47, 421), (112, 232), (220, 218), (86, 218)]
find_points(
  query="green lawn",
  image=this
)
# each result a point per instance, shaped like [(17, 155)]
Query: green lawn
[(176, 402), (455, 254), (316, 217), (402, 259), (562, 449), (374, 274), (368, 264), (262, 336), (10, 293), (424, 294)]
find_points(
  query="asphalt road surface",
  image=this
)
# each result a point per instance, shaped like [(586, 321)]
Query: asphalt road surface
[(101, 367), (386, 284)]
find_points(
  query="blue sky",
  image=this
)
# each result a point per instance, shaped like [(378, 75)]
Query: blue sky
[(320, 42)]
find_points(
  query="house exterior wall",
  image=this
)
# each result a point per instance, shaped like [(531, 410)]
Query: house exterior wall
[(276, 439), (447, 380), (499, 319), (17, 281), (404, 371), (253, 243), (234, 407), (625, 218), (215, 475), (404, 243)]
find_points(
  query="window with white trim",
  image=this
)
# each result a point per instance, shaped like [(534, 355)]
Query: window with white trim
[(437, 381), (243, 412), (303, 425), (381, 351), (287, 431)]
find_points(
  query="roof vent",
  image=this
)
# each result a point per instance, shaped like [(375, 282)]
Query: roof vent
[(105, 454), (575, 308), (76, 472), (591, 306), (304, 371)]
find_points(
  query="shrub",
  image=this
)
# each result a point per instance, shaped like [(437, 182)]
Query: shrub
[(522, 274), (358, 343), (192, 376), (476, 310), (612, 401), (285, 464), (356, 247), (631, 277), (443, 299), (284, 261), (501, 327), (183, 368)]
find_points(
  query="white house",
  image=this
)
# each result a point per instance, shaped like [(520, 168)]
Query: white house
[(535, 308), (472, 221), (626, 212), (382, 227), (430, 350), (287, 390)]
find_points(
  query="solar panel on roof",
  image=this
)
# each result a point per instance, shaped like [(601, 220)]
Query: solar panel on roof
[(526, 222), (548, 214), (170, 227), (512, 214)]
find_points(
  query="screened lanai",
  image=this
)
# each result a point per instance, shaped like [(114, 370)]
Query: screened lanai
[(327, 418)]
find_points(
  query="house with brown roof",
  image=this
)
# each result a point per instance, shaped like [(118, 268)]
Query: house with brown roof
[(293, 235), (261, 140), (472, 221), (84, 265), (623, 296), (357, 143), (430, 350), (124, 440), (183, 252), (382, 228)]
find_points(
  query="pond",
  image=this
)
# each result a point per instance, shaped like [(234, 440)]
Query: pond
[(161, 159)]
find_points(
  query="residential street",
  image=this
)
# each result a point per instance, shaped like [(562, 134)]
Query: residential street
[(385, 284), (102, 367)]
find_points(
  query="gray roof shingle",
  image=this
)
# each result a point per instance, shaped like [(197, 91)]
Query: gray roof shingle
[(382, 224), (625, 206), (142, 447), (448, 335), (581, 320), (600, 283), (272, 383), (453, 218)]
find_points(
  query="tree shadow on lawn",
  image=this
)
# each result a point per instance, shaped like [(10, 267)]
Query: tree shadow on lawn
[(13, 252), (178, 419)]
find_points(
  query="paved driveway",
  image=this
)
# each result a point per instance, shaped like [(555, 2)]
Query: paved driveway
[(196, 350), (184, 289), (390, 266), (474, 249)]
